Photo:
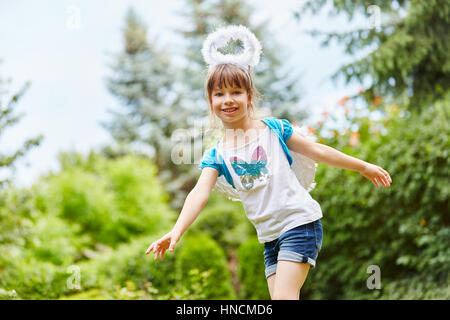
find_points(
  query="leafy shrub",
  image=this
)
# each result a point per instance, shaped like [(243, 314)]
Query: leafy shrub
[(404, 229), (251, 271), (33, 248), (201, 252), (17, 215), (60, 221), (127, 273), (415, 288), (112, 200), (224, 221), (31, 278), (128, 262)]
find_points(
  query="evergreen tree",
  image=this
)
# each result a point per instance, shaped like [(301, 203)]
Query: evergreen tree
[(411, 56), (279, 89), (7, 119), (145, 82)]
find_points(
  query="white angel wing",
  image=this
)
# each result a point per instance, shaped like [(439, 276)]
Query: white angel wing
[(304, 167), (224, 188)]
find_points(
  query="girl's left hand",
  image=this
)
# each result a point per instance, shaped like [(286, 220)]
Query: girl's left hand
[(374, 173)]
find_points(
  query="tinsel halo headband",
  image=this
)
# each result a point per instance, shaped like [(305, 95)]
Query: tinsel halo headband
[(219, 39)]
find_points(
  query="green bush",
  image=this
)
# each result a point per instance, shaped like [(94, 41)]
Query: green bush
[(414, 288), (33, 248), (17, 216), (404, 229), (31, 278), (251, 271), (127, 273), (128, 262), (224, 221), (112, 200), (62, 220), (92, 294), (199, 254), (57, 241)]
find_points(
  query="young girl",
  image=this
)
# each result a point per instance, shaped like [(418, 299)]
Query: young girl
[(255, 161)]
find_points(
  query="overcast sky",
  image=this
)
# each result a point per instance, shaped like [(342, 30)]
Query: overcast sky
[(66, 61)]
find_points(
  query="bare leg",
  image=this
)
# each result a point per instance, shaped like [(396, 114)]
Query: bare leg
[(271, 284), (289, 280)]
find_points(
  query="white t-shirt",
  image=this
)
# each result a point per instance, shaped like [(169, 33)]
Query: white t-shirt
[(273, 198)]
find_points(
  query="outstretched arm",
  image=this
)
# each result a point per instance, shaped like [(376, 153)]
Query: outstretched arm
[(194, 203), (332, 157)]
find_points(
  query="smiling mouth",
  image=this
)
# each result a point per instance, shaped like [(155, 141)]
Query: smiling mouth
[(229, 110)]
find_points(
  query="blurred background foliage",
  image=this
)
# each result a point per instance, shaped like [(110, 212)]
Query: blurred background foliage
[(82, 232)]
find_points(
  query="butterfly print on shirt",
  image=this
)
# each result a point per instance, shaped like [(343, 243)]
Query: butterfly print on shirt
[(253, 171)]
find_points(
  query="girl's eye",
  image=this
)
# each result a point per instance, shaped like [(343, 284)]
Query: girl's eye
[(218, 94)]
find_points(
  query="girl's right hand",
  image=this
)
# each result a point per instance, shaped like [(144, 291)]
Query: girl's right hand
[(160, 246)]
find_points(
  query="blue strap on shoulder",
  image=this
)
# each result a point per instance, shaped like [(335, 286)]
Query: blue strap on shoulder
[(223, 167), (275, 125)]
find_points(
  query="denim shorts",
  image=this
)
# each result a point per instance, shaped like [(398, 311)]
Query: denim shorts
[(300, 244)]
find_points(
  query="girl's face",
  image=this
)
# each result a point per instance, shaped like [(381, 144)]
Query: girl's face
[(230, 103)]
